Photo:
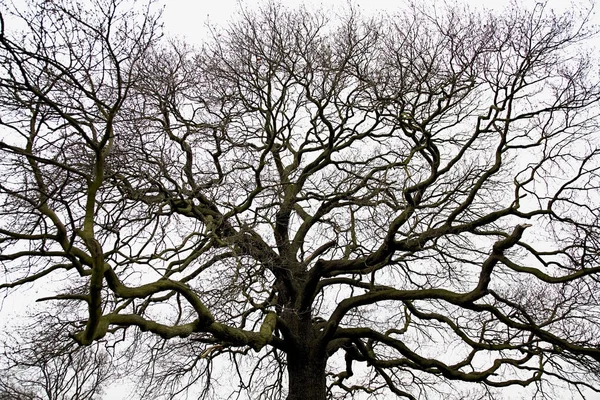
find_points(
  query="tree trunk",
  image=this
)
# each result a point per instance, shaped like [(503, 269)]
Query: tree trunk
[(306, 356), (306, 374)]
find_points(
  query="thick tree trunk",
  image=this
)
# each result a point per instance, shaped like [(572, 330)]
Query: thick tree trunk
[(306, 374), (306, 356)]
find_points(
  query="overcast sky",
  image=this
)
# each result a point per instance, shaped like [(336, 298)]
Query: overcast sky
[(188, 19)]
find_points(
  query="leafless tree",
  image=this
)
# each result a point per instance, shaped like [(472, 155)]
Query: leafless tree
[(332, 206), (43, 364)]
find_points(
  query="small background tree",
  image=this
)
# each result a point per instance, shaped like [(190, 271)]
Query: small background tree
[(43, 364)]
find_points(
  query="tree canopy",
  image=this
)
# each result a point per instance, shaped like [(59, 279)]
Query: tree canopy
[(332, 205)]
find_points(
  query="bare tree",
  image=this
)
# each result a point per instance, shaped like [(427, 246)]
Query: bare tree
[(42, 363), (334, 207)]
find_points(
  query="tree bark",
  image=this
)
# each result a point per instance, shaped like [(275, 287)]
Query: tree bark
[(306, 374), (306, 356)]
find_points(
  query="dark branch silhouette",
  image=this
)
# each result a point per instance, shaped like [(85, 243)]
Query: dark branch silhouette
[(333, 206)]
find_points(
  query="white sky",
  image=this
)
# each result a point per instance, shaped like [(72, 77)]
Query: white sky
[(186, 18)]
